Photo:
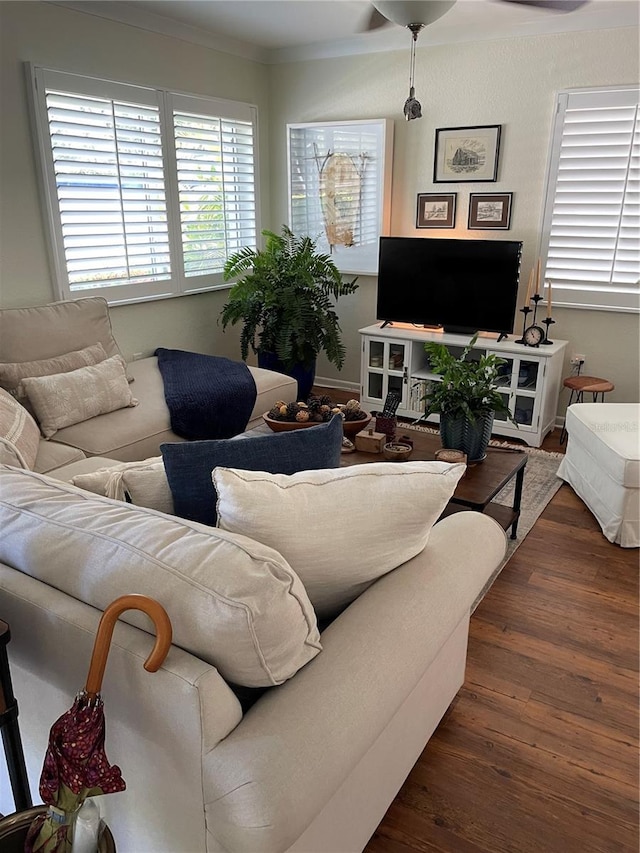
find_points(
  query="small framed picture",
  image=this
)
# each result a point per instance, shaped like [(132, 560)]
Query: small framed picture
[(436, 211), (490, 210), (466, 154)]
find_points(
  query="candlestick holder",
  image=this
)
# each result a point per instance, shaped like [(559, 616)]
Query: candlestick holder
[(548, 321), (536, 299), (524, 311)]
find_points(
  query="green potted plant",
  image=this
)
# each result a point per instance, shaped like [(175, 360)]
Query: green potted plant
[(285, 301), (466, 397)]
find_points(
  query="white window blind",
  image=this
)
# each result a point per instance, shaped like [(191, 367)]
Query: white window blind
[(147, 191), (591, 229)]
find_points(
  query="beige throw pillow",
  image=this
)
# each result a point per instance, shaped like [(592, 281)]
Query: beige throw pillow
[(338, 528), (142, 483), (19, 433), (12, 374), (70, 398)]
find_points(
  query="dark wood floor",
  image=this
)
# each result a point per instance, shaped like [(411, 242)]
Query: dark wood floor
[(538, 752)]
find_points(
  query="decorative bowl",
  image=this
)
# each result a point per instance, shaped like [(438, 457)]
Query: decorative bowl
[(396, 452), (349, 428)]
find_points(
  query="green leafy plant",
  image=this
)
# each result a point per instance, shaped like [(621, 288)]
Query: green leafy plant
[(285, 300), (468, 386)]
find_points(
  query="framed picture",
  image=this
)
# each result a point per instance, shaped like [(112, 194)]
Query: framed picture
[(436, 211), (340, 188), (490, 210), (466, 154)]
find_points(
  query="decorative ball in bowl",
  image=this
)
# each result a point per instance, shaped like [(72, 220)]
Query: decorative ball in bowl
[(298, 415), (396, 452)]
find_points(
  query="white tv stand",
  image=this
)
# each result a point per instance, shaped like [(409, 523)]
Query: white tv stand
[(394, 359)]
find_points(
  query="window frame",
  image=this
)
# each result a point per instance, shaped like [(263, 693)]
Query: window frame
[(178, 283), (589, 297)]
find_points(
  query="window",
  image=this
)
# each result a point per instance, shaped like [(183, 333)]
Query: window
[(147, 191), (591, 226)]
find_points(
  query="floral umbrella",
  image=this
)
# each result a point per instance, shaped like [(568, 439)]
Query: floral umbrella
[(75, 765)]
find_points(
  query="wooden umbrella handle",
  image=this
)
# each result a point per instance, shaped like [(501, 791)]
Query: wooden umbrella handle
[(154, 610)]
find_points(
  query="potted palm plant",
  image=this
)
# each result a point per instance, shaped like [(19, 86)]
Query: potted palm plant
[(466, 397), (285, 299)]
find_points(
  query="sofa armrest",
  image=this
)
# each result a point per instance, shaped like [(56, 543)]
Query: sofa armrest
[(158, 724), (265, 783)]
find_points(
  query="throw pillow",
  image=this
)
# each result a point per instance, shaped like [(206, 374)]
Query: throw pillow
[(70, 398), (11, 375), (141, 483), (339, 530), (189, 464), (232, 602), (19, 433)]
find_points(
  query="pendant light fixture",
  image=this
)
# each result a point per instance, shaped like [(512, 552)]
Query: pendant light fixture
[(413, 107)]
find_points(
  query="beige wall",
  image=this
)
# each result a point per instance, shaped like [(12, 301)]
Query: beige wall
[(511, 82), (59, 38)]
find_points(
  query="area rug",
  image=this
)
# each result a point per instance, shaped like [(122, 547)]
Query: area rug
[(540, 485)]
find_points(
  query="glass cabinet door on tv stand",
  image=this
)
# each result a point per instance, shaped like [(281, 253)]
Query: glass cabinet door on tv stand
[(385, 369), (394, 359)]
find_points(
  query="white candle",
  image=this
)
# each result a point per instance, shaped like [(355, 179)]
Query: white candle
[(539, 264), (549, 300), (528, 296)]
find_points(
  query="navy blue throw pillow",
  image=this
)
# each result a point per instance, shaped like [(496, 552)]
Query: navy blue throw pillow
[(189, 464)]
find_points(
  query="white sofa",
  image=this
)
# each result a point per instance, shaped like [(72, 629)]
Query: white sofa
[(313, 765)]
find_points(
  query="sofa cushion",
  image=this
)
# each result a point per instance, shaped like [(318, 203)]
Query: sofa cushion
[(12, 373), (28, 334), (70, 398), (234, 603), (19, 433), (53, 455), (339, 529), (189, 465)]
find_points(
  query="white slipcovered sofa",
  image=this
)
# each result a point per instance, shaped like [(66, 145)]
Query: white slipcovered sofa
[(602, 465), (313, 764)]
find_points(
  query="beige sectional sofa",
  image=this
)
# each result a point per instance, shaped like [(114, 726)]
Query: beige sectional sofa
[(34, 334), (262, 732)]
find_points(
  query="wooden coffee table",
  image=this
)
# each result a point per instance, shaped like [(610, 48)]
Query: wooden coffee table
[(480, 484)]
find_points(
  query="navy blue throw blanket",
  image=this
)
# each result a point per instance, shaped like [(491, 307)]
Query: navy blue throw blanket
[(208, 396)]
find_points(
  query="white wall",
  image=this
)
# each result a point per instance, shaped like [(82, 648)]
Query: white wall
[(511, 82), (57, 37)]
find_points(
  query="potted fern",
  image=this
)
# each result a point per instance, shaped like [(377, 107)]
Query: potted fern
[(466, 397), (285, 300)]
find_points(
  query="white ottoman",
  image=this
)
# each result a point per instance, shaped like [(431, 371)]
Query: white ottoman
[(602, 465)]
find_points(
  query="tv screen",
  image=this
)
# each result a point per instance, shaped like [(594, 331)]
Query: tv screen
[(462, 285)]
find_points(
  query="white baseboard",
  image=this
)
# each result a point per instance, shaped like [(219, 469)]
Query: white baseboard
[(323, 382)]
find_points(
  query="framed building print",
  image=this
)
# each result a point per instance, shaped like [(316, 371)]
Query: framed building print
[(490, 210), (436, 211), (340, 188), (466, 154)]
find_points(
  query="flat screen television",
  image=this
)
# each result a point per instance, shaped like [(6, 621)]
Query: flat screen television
[(464, 286)]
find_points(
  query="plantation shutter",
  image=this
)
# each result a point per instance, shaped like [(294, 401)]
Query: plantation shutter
[(106, 171), (215, 161), (592, 212), (147, 192)]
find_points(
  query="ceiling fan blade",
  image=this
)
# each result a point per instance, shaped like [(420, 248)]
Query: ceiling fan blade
[(375, 21), (552, 5)]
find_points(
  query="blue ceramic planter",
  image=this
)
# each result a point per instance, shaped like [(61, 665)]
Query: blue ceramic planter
[(461, 434), (303, 376)]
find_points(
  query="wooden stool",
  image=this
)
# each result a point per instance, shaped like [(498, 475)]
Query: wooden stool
[(581, 385)]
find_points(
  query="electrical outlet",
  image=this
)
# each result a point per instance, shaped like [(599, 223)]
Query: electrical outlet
[(578, 359), (137, 355)]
